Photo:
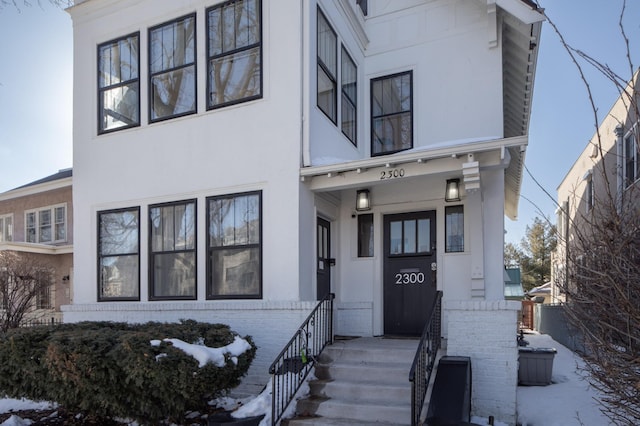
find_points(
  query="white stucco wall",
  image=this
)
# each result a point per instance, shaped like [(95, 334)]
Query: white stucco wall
[(457, 76), (249, 146)]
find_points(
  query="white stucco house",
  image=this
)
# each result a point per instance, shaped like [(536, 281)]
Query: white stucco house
[(220, 147)]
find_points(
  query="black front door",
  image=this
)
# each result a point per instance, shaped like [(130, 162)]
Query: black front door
[(409, 265), (324, 258)]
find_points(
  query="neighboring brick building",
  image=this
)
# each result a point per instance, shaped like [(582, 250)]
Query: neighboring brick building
[(37, 218)]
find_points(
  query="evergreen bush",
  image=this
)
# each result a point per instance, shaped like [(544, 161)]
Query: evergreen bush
[(108, 370)]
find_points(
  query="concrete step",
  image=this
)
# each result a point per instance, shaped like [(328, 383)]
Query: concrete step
[(368, 350), (360, 381), (359, 392), (372, 372), (327, 421), (388, 412)]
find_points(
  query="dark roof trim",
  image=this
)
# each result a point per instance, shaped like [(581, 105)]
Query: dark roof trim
[(62, 174)]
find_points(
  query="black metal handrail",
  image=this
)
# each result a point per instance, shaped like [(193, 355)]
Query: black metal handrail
[(298, 357), (425, 359)]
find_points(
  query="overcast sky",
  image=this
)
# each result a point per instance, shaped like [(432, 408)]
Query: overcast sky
[(36, 84)]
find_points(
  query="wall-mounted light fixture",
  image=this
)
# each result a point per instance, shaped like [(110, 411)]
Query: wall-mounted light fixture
[(452, 191), (65, 278), (363, 200)]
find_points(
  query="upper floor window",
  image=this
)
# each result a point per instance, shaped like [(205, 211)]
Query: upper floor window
[(392, 113), (349, 97), (234, 246), (172, 261), (327, 67), (119, 254), (47, 225), (234, 51), (119, 84), (172, 69), (631, 167), (6, 228)]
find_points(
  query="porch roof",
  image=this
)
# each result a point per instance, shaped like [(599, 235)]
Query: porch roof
[(511, 150)]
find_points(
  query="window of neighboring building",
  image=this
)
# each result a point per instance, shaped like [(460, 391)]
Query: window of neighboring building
[(119, 254), (454, 229), (6, 228), (46, 225), (119, 84), (172, 261), (234, 246), (234, 45), (391, 113), (365, 235), (172, 69), (631, 167), (43, 297), (327, 43), (589, 195), (349, 79)]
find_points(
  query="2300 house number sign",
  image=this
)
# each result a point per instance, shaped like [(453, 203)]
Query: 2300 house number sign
[(391, 174), (409, 278)]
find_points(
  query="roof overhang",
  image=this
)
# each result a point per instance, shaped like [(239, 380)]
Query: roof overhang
[(449, 159), (521, 23), (36, 248)]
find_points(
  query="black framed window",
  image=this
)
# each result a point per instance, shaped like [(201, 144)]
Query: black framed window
[(172, 69), (349, 82), (454, 229), (365, 235), (327, 43), (392, 113), (119, 84), (119, 254), (234, 45), (234, 246), (172, 254)]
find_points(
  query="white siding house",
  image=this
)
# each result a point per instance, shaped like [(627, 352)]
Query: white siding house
[(219, 148)]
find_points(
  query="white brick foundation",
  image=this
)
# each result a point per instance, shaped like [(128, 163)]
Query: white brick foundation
[(354, 319), (486, 332)]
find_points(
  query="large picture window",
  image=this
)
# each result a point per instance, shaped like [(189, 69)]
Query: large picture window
[(172, 69), (391, 114), (119, 84), (172, 262), (234, 246), (327, 67), (234, 45), (119, 255)]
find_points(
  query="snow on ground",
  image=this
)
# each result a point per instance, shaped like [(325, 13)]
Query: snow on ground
[(568, 401)]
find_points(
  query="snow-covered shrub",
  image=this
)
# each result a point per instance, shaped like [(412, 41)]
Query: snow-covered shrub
[(121, 370)]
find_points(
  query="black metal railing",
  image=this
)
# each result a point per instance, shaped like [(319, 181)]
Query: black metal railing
[(296, 360), (35, 322), (425, 359)]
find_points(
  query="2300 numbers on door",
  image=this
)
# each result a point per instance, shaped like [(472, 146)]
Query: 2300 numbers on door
[(410, 278)]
